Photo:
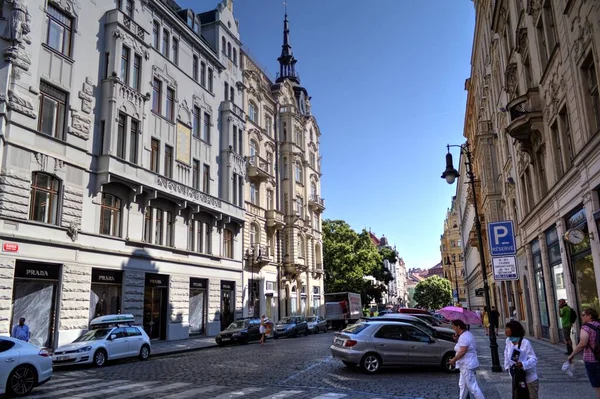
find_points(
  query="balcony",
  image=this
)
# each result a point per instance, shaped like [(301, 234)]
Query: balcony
[(134, 28), (259, 169), (258, 257), (275, 219), (234, 109), (317, 203), (525, 116)]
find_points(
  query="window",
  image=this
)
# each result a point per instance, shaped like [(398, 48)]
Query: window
[(232, 94), (227, 243), (229, 50), (207, 230), (301, 253), (175, 51), (234, 141), (170, 115), (165, 46), (196, 175), (156, 34), (591, 87), (240, 198), (136, 78), (254, 152), (254, 234), (147, 225), (106, 65), (206, 179), (168, 161), (312, 159), (129, 8), (206, 131), (156, 95), (299, 173), (169, 230), (270, 203), (234, 189), (52, 111), (270, 162), (546, 32), (254, 194), (154, 155), (252, 113), (110, 215), (285, 168), (121, 138), (196, 122), (44, 198), (133, 141), (158, 227), (298, 138), (191, 236), (210, 80), (313, 190), (269, 126), (58, 35), (203, 74), (226, 91), (223, 44), (235, 56), (125, 52), (195, 68), (299, 206)]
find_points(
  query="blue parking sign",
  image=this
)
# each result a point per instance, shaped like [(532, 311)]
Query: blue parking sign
[(501, 237)]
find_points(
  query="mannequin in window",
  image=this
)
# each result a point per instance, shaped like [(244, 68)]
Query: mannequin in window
[(101, 306)]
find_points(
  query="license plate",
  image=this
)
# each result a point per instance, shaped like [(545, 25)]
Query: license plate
[(339, 342), (61, 358), (225, 339)]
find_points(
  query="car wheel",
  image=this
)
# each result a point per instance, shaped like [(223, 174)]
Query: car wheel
[(244, 341), (144, 352), (21, 380), (448, 368), (349, 364), (99, 358), (371, 363), (275, 336), (306, 332)]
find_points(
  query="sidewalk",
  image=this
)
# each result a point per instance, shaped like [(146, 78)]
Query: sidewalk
[(162, 348), (554, 383)]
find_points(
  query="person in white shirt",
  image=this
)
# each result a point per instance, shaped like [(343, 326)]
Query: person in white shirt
[(518, 352), (466, 360)]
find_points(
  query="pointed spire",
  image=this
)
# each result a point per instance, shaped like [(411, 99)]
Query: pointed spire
[(287, 62)]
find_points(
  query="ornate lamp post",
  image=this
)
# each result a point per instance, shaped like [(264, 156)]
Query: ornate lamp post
[(450, 175), (448, 263)]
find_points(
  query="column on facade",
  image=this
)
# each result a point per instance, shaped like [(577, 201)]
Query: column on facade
[(550, 293), (535, 310), (588, 204)]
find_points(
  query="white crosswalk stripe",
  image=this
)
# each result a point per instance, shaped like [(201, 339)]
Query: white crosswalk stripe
[(191, 393), (132, 387), (80, 388), (330, 395), (237, 393), (151, 390), (282, 394)]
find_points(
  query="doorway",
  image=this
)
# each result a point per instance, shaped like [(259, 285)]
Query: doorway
[(156, 300), (227, 303), (198, 309)]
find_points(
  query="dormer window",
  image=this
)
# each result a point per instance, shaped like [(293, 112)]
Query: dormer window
[(190, 19)]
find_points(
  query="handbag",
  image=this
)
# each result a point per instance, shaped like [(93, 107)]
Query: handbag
[(519, 385)]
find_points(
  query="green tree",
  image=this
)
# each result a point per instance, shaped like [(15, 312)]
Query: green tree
[(347, 258), (434, 292)]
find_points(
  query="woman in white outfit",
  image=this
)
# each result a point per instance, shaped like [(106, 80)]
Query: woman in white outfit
[(263, 328), (466, 360), (518, 352)]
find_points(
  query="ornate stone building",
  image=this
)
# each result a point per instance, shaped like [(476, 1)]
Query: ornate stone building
[(121, 190), (533, 121), (283, 242), (451, 247)]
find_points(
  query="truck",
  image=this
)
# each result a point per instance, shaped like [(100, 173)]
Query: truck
[(342, 308)]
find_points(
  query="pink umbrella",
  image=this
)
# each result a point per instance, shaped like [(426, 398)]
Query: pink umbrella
[(456, 313)]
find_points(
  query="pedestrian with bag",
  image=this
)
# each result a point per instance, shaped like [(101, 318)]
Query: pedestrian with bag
[(589, 343), (264, 323), (520, 361), (466, 361), (567, 318)]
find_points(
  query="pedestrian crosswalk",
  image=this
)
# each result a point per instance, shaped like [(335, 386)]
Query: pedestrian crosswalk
[(77, 385)]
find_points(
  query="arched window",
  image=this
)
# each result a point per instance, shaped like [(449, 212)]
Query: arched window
[(318, 255), (254, 235), (301, 252), (299, 173), (223, 45), (229, 50), (253, 151), (44, 198), (227, 243), (253, 112), (110, 215)]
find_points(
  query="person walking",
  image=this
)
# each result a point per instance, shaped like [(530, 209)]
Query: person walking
[(263, 328), (494, 319), (21, 331), (486, 320), (466, 361), (587, 343), (519, 354), (566, 323)]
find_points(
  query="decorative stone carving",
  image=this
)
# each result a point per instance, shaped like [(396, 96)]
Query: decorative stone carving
[(58, 164), (132, 42), (42, 160), (186, 191), (554, 94), (86, 94), (511, 79), (19, 57), (19, 103), (80, 125), (533, 8), (163, 74), (18, 25), (14, 194), (129, 94), (522, 42), (584, 35), (73, 230), (70, 6)]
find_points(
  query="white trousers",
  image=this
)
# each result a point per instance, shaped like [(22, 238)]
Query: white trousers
[(467, 382)]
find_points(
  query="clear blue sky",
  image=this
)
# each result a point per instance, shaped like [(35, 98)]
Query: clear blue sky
[(387, 84)]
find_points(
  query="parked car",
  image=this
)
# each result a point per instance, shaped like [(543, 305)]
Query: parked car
[(316, 324), (241, 331), (446, 334), (290, 327), (377, 344), (412, 311), (24, 366), (110, 337), (432, 321)]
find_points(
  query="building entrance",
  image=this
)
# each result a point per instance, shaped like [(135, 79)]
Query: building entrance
[(198, 305), (156, 299), (227, 303)]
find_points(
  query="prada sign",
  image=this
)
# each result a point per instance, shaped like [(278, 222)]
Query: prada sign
[(157, 280), (227, 285), (198, 283), (37, 271), (107, 276)]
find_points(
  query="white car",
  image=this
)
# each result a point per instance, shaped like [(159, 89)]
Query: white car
[(110, 337), (23, 366)]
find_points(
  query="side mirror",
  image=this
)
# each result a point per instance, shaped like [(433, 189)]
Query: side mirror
[(113, 336), (431, 340)]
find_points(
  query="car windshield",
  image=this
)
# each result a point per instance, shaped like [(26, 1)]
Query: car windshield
[(94, 335), (237, 324), (287, 320), (311, 318), (355, 328)]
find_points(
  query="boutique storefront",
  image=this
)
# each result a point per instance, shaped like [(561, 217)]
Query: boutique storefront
[(198, 306), (105, 295), (156, 301)]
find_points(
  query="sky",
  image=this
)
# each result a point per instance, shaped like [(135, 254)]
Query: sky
[(387, 80)]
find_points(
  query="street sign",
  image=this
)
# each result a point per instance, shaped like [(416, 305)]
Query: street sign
[(479, 292), (505, 268), (10, 247), (502, 238)]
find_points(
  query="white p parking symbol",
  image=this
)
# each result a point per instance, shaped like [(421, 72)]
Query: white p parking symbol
[(499, 232)]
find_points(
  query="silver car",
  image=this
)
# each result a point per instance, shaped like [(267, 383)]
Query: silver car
[(377, 344), (316, 324)]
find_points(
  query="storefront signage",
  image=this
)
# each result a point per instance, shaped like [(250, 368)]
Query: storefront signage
[(107, 276), (505, 268), (10, 247), (197, 283), (37, 271), (157, 280), (227, 285)]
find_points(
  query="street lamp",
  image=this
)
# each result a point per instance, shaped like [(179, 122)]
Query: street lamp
[(450, 174), (448, 263), (253, 255)]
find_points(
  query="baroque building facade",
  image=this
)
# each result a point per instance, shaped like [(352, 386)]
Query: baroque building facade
[(533, 122), (121, 187), (451, 247)]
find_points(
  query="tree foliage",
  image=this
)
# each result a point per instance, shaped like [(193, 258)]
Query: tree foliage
[(348, 257), (434, 292)]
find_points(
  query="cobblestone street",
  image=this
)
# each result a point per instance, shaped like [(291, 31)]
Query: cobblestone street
[(296, 368)]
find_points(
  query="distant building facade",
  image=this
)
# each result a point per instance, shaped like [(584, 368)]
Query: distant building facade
[(451, 246)]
